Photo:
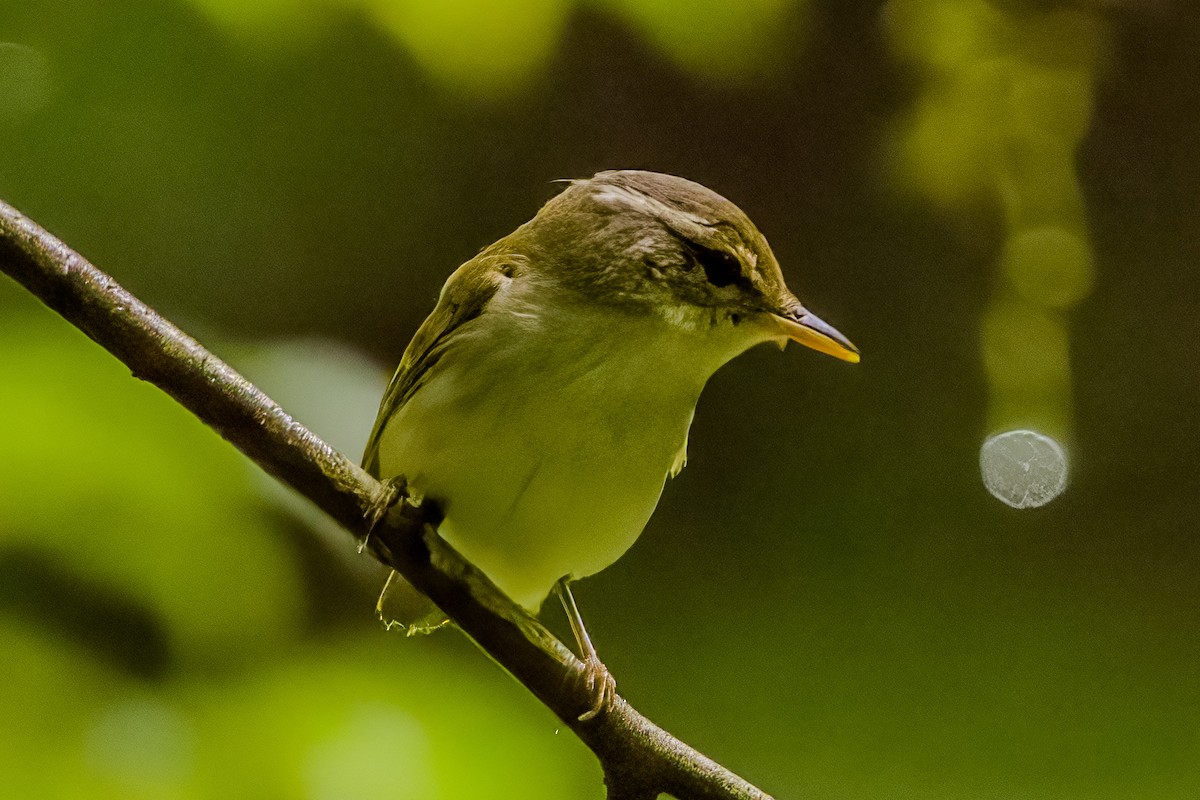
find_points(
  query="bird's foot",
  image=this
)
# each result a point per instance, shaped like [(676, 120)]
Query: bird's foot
[(600, 685), (391, 490)]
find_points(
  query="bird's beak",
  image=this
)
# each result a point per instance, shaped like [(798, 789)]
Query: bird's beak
[(811, 331)]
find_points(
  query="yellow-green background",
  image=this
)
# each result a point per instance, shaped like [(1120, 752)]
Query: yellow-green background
[(999, 202)]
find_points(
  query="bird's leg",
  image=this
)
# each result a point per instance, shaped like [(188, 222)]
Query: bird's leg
[(598, 680)]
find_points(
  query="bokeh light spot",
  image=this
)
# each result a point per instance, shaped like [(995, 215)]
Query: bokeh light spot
[(379, 752), (1023, 469), (1025, 349), (482, 48), (1052, 102), (143, 745), (715, 38), (943, 35), (1049, 266)]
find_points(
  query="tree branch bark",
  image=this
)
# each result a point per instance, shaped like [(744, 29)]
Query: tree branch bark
[(639, 759)]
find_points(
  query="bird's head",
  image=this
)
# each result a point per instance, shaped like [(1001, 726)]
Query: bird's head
[(657, 244)]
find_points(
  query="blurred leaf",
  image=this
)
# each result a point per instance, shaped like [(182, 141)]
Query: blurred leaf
[(267, 22), (334, 391), (944, 35), (493, 48), (349, 720), (477, 47), (714, 38), (389, 719), (171, 516), (26, 742), (52, 695), (329, 387)]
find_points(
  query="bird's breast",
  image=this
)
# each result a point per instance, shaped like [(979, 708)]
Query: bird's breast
[(547, 451)]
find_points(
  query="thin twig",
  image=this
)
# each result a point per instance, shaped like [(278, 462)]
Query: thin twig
[(639, 759)]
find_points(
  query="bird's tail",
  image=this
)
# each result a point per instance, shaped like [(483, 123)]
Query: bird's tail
[(402, 606)]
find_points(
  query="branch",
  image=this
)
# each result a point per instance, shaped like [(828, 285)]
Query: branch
[(639, 759)]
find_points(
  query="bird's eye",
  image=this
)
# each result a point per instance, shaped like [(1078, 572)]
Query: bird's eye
[(721, 267)]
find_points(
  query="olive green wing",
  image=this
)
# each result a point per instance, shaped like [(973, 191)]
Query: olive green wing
[(464, 297)]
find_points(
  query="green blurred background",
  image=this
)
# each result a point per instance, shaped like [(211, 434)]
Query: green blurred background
[(998, 201)]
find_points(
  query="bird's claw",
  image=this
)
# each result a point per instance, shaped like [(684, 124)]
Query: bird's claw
[(600, 685), (391, 490)]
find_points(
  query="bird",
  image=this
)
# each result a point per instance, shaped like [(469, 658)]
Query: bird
[(547, 398)]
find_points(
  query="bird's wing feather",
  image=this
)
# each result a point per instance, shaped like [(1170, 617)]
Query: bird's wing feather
[(680, 460), (681, 457), (463, 298)]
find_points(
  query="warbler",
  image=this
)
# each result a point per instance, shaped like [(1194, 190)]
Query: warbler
[(547, 398)]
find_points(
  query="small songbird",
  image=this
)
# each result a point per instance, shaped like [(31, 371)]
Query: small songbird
[(547, 398)]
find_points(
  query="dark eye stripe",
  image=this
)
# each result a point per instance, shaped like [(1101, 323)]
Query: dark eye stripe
[(721, 267)]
